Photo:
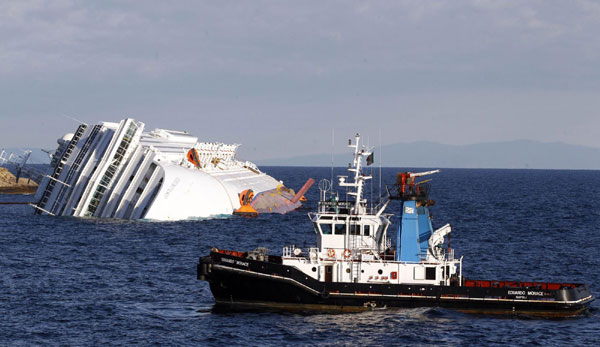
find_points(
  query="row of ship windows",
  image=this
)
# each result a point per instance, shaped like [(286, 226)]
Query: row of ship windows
[(109, 173), (340, 229)]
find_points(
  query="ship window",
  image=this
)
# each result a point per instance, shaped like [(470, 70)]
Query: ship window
[(354, 229), (340, 229), (367, 230), (326, 228), (430, 273), (152, 197)]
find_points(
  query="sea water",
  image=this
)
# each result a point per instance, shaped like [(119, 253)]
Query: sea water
[(68, 281)]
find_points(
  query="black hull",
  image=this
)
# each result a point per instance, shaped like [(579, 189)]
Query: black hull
[(237, 281)]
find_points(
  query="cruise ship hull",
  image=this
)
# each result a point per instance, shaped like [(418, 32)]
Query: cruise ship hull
[(118, 170), (237, 281)]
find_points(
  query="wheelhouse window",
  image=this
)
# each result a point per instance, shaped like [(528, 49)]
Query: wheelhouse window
[(340, 229), (326, 229), (367, 230), (354, 229)]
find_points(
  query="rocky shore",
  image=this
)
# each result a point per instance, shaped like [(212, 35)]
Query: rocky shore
[(8, 184)]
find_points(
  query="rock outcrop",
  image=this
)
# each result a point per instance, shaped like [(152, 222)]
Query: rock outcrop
[(8, 184)]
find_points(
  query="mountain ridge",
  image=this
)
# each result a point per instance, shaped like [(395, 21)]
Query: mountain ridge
[(515, 154)]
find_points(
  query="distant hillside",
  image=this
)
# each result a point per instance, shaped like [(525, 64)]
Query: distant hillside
[(510, 154)]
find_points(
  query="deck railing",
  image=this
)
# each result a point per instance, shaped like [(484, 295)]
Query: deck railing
[(516, 284)]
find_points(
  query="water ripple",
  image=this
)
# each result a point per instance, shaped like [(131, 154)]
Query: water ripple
[(69, 281)]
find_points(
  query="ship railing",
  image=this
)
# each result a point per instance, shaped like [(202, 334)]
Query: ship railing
[(287, 252), (313, 253), (343, 207), (417, 191), (334, 206), (445, 254), (364, 247), (518, 284)]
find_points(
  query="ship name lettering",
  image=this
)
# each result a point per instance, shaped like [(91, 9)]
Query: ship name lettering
[(535, 293), (242, 263), (173, 185), (516, 292), (227, 260)]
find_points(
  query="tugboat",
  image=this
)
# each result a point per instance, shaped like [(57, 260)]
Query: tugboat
[(354, 266)]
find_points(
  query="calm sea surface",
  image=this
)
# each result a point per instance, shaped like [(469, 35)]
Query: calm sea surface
[(67, 281)]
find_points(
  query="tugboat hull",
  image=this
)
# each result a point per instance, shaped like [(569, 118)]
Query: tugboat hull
[(242, 282)]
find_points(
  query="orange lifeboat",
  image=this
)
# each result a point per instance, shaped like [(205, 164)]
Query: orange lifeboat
[(192, 157)]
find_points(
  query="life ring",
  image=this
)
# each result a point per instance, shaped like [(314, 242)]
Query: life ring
[(347, 253), (331, 253)]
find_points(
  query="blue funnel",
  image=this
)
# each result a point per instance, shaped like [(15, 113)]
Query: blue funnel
[(413, 233)]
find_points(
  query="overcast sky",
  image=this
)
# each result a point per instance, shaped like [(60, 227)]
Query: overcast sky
[(278, 76)]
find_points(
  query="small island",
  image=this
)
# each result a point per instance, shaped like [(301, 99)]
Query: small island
[(9, 184)]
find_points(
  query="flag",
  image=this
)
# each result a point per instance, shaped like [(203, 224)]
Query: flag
[(370, 158)]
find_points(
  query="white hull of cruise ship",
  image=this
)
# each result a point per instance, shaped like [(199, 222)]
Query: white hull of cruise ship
[(116, 170)]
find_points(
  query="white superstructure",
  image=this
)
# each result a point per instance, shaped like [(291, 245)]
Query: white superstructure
[(352, 244), (116, 170)]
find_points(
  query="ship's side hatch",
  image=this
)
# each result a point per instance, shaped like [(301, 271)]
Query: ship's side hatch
[(430, 273), (328, 273)]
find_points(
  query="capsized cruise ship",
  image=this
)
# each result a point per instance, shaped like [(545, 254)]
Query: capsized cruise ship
[(117, 170)]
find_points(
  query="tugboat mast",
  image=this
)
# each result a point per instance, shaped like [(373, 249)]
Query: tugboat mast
[(359, 178)]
